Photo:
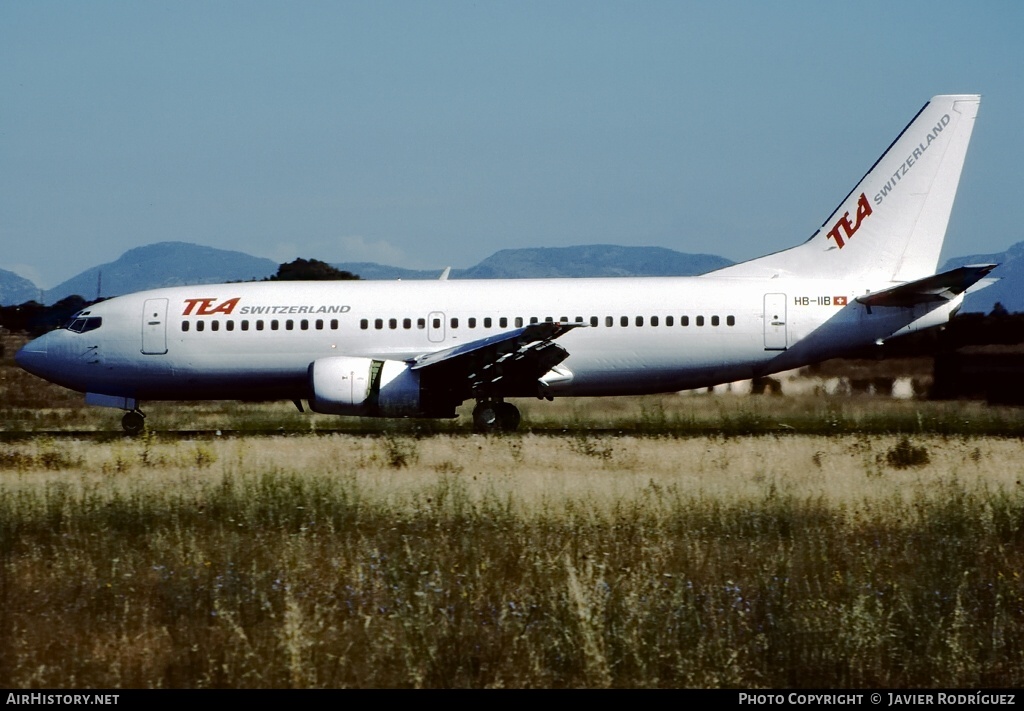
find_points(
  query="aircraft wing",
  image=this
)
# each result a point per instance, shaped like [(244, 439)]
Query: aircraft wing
[(507, 364), (940, 287)]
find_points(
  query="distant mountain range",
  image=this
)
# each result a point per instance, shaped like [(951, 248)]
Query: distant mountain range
[(15, 289), (593, 260), (180, 263), (162, 264)]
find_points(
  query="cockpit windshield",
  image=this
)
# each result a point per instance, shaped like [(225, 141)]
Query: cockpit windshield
[(83, 324)]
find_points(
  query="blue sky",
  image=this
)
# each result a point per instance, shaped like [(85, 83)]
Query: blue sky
[(426, 134)]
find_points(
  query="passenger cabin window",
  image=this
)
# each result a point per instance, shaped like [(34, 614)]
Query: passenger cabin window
[(699, 320), (184, 325)]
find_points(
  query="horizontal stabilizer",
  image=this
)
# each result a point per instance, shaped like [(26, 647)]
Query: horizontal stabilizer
[(940, 287)]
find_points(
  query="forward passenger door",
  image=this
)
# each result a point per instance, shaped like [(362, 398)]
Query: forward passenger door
[(154, 327)]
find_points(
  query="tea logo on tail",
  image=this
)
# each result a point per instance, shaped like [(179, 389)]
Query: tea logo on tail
[(844, 226)]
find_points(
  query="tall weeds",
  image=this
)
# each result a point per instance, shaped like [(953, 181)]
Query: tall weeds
[(316, 561)]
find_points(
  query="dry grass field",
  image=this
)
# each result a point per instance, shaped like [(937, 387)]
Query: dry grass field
[(642, 542), (547, 561)]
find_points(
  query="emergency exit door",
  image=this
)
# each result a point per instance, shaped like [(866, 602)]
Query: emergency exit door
[(435, 327)]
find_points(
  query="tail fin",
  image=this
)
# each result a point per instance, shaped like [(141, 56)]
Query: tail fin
[(891, 226)]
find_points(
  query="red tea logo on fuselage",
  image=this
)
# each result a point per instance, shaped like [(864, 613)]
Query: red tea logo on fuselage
[(843, 230), (206, 306)]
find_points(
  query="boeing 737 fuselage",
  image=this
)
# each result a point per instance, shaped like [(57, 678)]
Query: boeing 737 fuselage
[(421, 348)]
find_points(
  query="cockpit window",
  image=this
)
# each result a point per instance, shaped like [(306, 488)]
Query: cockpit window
[(84, 325)]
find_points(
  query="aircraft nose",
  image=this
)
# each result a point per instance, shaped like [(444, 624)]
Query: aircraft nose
[(32, 356)]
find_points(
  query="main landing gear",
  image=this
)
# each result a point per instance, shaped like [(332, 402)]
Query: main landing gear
[(133, 422), (491, 416)]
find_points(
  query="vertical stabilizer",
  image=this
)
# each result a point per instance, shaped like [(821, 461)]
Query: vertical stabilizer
[(891, 226)]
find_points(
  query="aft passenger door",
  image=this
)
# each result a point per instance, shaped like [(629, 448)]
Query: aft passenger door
[(775, 322), (154, 327)]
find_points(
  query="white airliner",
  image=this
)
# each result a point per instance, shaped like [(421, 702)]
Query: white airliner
[(421, 348)]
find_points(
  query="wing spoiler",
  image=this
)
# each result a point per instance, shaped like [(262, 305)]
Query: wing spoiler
[(940, 287), (543, 332)]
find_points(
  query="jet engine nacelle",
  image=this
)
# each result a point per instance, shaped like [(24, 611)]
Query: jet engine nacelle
[(346, 385)]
